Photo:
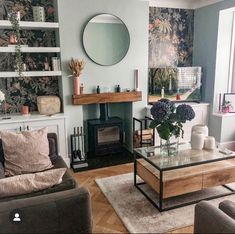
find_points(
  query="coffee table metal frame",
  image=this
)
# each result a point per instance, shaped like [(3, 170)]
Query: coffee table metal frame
[(160, 204)]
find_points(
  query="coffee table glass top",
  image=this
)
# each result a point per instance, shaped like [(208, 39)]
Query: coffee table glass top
[(186, 156)]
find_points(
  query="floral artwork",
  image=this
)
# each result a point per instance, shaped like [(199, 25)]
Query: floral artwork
[(33, 38), (20, 91), (170, 37), (25, 8), (32, 61)]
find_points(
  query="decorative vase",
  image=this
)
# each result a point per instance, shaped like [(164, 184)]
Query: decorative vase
[(225, 109), (200, 128), (12, 39), (197, 140), (25, 110), (76, 85), (169, 147)]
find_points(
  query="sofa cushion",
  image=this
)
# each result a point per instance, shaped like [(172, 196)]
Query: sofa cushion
[(68, 182), (28, 183), (2, 173), (26, 152), (53, 146), (228, 207)]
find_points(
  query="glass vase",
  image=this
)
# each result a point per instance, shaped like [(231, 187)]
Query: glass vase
[(169, 148)]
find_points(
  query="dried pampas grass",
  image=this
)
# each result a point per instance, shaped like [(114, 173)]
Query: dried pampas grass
[(76, 66)]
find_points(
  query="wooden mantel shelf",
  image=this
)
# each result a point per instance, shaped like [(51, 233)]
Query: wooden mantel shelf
[(96, 98)]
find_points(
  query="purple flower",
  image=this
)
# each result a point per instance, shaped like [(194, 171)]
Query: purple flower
[(160, 111), (169, 103), (185, 112)]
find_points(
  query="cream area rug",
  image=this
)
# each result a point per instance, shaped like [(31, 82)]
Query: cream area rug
[(140, 216)]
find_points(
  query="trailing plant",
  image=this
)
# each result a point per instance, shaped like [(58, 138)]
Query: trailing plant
[(16, 32)]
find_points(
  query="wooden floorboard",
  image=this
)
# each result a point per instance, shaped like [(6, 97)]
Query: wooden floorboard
[(105, 219)]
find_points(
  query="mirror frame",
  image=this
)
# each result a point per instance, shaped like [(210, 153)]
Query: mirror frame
[(84, 40)]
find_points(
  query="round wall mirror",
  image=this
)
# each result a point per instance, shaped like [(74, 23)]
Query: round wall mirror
[(106, 39)]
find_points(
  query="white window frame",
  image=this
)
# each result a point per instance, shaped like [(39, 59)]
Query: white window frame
[(231, 79)]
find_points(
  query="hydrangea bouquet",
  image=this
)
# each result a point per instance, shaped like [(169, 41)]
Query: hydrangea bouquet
[(168, 120)]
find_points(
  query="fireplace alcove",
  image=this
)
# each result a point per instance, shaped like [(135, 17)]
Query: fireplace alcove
[(107, 113)]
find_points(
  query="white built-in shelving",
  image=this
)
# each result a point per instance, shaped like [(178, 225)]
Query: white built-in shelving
[(30, 25), (6, 24), (31, 74), (25, 49)]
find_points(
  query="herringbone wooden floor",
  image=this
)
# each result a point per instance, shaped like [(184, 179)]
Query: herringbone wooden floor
[(105, 219)]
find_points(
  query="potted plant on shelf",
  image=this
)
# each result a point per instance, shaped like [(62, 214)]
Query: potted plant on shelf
[(168, 121), (13, 17), (76, 66)]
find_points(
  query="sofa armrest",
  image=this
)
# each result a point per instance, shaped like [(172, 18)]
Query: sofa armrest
[(228, 207), (210, 219), (62, 212)]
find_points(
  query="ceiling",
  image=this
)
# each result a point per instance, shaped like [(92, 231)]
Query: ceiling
[(187, 4)]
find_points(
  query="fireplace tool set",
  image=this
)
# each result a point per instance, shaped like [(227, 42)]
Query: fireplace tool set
[(77, 148)]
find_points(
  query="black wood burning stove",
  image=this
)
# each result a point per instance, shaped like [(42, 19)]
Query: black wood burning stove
[(105, 135)]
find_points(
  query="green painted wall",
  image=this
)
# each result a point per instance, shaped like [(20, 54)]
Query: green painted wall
[(206, 23), (73, 16), (211, 51)]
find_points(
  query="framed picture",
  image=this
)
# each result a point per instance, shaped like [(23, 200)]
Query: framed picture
[(177, 84), (229, 103)]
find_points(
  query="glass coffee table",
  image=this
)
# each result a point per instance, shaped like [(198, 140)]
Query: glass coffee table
[(189, 172)]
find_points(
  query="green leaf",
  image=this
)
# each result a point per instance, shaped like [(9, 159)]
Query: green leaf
[(154, 124), (164, 131)]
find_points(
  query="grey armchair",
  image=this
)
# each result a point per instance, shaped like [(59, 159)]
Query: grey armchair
[(64, 208), (210, 219)]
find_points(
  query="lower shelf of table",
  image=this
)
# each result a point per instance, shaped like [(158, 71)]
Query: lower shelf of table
[(186, 180)]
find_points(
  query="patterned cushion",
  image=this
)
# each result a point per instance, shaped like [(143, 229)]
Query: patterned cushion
[(26, 152), (28, 183)]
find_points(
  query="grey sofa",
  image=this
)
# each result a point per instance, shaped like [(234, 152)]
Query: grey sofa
[(64, 208), (210, 219)]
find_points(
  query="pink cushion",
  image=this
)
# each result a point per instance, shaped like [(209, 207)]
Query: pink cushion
[(26, 152)]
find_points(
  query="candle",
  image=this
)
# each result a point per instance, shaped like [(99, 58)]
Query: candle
[(209, 143), (220, 102), (136, 73)]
